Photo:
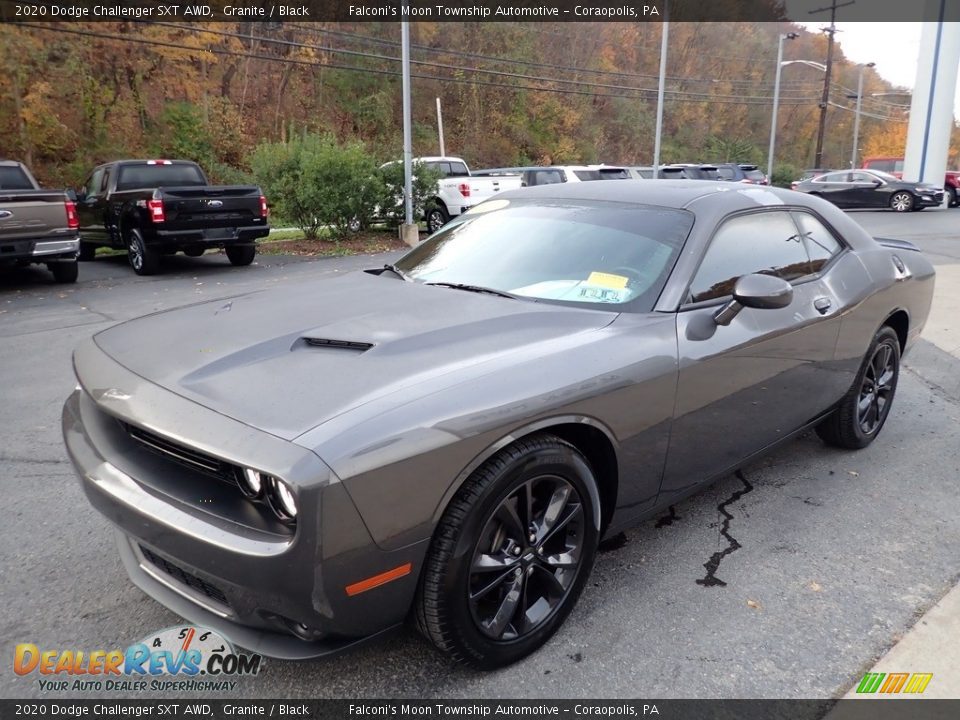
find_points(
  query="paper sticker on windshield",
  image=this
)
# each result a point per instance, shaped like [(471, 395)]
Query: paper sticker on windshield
[(608, 280)]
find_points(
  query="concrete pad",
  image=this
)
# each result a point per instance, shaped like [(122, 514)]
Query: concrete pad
[(932, 646)]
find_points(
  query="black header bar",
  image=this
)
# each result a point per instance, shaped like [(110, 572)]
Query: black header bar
[(272, 11)]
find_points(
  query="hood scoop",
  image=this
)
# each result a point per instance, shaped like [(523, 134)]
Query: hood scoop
[(330, 344)]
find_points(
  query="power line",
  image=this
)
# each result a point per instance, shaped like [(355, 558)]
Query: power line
[(380, 71), (461, 68)]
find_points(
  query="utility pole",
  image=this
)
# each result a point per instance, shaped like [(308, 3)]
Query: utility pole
[(825, 98)]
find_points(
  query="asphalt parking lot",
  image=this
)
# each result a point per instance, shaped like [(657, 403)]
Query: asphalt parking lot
[(825, 557)]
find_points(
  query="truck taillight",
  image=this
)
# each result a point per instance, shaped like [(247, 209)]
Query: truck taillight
[(155, 208), (73, 222), (465, 189), (264, 210)]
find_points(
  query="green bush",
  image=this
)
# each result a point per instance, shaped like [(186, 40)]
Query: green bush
[(785, 174), (315, 182), (391, 205)]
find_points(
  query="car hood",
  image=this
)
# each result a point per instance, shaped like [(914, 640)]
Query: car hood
[(288, 360)]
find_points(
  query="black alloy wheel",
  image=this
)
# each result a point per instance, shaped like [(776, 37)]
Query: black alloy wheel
[(876, 389), (527, 557), (862, 412), (511, 553)]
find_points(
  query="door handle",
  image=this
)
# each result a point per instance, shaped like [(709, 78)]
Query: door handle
[(822, 304)]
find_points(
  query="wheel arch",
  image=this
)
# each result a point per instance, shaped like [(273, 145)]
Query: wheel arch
[(594, 440), (899, 321)]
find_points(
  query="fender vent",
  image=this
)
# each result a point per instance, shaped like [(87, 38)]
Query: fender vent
[(338, 344)]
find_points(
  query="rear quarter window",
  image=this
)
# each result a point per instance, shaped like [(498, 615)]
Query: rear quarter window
[(14, 178)]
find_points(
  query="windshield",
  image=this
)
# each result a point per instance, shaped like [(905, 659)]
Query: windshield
[(585, 254)]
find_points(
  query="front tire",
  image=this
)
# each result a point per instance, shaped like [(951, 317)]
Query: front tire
[(901, 201), (952, 197), (511, 554), (864, 409), (241, 255), (143, 259)]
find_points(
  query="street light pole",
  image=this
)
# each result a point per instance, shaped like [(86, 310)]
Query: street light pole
[(856, 120), (664, 39), (776, 102)]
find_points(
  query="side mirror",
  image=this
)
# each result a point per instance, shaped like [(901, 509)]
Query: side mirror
[(81, 195), (877, 183), (763, 292), (72, 195)]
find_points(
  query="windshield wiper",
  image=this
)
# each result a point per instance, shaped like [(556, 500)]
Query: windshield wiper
[(397, 271), (474, 288)]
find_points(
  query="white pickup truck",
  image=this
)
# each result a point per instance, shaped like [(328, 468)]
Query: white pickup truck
[(458, 190)]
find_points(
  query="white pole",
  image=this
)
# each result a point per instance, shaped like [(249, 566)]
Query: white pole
[(407, 135), (664, 39), (443, 151), (776, 103)]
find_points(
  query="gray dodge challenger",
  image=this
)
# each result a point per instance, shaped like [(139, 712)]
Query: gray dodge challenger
[(447, 439)]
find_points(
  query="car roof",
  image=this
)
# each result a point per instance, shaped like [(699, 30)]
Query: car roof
[(662, 193)]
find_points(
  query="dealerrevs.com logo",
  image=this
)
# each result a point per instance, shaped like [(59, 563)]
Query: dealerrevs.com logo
[(177, 659)]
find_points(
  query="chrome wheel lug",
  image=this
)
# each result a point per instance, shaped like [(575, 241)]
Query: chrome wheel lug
[(516, 550), (539, 551), (533, 537)]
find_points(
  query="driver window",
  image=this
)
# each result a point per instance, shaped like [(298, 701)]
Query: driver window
[(767, 243)]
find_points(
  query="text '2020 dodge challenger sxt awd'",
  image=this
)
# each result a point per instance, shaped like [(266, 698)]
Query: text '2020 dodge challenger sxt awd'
[(450, 437)]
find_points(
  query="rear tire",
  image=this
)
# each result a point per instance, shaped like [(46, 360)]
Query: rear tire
[(864, 409), (437, 216), (64, 272), (241, 255), (87, 251), (143, 259), (511, 554)]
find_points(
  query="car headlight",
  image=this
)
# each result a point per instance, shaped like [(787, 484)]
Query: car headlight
[(251, 482), (281, 499)]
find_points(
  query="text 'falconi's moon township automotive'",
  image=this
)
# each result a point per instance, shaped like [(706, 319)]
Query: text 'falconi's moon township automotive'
[(450, 437)]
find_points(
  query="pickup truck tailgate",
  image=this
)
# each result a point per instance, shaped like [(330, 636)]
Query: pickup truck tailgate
[(211, 207), (32, 214), (483, 188)]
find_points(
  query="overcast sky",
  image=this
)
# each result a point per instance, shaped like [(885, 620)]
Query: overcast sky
[(892, 46)]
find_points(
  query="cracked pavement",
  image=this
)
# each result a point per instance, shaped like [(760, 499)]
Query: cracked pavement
[(787, 580)]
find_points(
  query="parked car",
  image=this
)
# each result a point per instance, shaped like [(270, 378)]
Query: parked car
[(450, 437), (894, 166), (553, 174), (152, 208), (36, 226), (747, 174), (458, 189), (872, 188), (688, 171)]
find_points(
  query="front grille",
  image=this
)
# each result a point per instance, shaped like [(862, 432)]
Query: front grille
[(183, 577), (183, 455)]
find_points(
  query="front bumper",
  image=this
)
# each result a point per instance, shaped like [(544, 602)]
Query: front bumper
[(194, 544), (930, 199)]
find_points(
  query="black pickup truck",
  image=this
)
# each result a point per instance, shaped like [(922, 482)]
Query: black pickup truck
[(152, 208), (36, 226)]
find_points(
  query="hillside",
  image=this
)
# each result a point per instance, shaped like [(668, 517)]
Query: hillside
[(75, 94)]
